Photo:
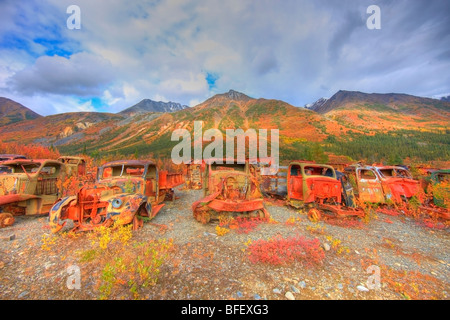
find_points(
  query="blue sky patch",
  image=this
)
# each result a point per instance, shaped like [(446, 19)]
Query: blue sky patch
[(211, 79)]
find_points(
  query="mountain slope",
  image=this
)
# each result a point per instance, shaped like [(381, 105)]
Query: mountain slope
[(60, 129), (13, 112), (230, 110)]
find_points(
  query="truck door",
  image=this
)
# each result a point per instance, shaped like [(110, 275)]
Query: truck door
[(369, 186), (295, 182)]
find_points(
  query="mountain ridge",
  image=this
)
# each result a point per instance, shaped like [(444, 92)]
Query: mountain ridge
[(148, 105)]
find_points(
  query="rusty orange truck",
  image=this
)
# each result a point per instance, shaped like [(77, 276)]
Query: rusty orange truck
[(306, 184), (382, 184), (29, 187), (126, 191), (231, 189)]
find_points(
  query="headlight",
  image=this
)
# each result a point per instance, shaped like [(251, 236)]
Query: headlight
[(117, 203)]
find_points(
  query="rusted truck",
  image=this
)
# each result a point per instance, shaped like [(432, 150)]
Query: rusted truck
[(438, 202), (6, 157), (382, 184), (231, 190), (194, 175), (30, 188), (305, 184), (75, 165), (126, 191)]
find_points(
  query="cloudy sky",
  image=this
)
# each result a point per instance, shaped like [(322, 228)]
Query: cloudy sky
[(186, 51)]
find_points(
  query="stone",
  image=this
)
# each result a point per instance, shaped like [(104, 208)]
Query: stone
[(294, 289), (289, 296), (362, 288), (11, 237), (276, 290), (326, 246), (302, 284)]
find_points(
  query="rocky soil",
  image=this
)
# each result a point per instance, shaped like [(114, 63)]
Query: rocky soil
[(413, 260)]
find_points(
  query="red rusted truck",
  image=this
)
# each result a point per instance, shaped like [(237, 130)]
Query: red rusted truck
[(305, 184), (29, 187), (194, 175), (126, 191), (75, 165), (230, 189), (438, 202), (382, 184)]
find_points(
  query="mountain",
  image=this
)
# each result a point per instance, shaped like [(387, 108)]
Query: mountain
[(381, 112), (447, 98), (396, 102), (60, 129), (352, 124), (148, 105), (316, 105), (13, 112)]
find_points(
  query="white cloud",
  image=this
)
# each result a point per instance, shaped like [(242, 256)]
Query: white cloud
[(82, 74), (296, 51)]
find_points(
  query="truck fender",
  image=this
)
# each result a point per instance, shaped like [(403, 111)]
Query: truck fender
[(55, 213)]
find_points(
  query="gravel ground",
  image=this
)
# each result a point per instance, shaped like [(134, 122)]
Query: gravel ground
[(206, 266)]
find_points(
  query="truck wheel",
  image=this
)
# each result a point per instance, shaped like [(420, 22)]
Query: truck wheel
[(6, 220), (202, 216)]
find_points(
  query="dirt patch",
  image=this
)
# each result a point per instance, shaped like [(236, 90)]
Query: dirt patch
[(413, 261)]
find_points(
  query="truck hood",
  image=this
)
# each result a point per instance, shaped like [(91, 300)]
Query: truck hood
[(403, 187)]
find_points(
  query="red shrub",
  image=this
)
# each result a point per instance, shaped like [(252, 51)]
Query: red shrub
[(279, 250), (245, 225), (433, 224)]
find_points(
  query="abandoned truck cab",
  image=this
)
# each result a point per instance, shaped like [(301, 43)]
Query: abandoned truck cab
[(126, 192), (306, 184), (310, 182), (75, 165), (30, 187), (230, 189), (194, 175), (7, 157), (382, 184), (440, 181)]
